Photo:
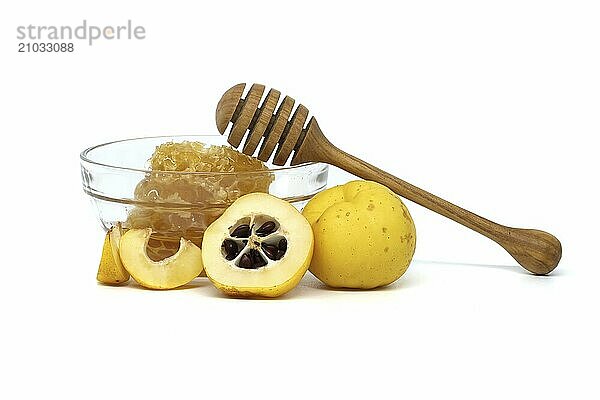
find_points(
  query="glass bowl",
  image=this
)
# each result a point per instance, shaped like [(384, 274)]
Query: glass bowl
[(114, 174)]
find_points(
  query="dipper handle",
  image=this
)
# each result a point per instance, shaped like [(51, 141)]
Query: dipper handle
[(537, 251)]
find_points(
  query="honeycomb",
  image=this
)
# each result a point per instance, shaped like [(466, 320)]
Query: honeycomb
[(175, 202)]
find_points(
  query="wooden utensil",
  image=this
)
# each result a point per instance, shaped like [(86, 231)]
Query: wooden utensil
[(271, 126)]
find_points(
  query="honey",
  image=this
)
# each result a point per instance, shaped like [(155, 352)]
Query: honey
[(190, 185)]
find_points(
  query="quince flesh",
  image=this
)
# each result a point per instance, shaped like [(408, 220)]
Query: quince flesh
[(169, 273)]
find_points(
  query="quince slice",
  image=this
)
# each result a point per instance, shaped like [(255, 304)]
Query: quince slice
[(174, 271), (111, 269)]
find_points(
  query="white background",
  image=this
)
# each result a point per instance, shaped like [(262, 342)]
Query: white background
[(493, 105)]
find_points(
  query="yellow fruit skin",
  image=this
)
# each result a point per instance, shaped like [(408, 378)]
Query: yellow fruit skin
[(364, 235), (110, 270)]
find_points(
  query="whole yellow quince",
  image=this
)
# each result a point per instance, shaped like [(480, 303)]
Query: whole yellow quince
[(364, 236)]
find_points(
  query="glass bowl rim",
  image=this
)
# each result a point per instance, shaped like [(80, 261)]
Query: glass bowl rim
[(84, 158)]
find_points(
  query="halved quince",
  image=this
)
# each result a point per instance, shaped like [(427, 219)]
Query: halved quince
[(169, 273), (260, 247), (111, 269)]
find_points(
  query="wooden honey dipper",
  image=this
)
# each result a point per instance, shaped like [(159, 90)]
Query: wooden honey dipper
[(537, 251)]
